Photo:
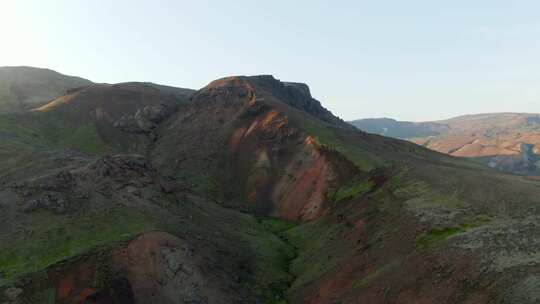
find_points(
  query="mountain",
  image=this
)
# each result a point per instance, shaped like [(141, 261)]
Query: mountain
[(22, 88), (248, 191), (507, 141), (399, 129)]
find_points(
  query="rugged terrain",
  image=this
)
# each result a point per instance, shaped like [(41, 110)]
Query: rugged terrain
[(248, 191), (509, 142)]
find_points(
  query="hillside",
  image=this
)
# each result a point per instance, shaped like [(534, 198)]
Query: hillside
[(507, 141), (399, 129), (22, 88), (248, 191)]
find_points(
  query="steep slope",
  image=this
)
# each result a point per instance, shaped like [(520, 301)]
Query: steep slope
[(24, 87), (246, 194), (298, 95), (506, 141), (236, 123), (379, 220)]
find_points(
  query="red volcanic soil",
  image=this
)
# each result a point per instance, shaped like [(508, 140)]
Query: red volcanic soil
[(306, 180), (286, 173), (156, 267), (162, 268), (72, 286)]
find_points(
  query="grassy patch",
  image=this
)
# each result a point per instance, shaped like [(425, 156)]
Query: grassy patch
[(411, 189), (374, 275), (86, 139), (270, 277), (66, 133), (319, 250), (352, 191), (199, 180), (327, 138), (276, 225), (436, 236), (48, 239), (418, 194), (50, 131), (46, 296)]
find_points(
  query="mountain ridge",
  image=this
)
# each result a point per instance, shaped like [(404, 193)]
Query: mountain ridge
[(248, 191), (24, 87), (506, 141)]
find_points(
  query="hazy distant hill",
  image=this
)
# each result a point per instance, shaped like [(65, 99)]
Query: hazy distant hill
[(25, 87), (508, 141), (399, 129)]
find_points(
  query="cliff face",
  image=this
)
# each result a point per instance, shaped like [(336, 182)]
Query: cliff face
[(298, 96)]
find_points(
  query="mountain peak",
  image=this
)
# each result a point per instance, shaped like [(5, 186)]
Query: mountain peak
[(294, 94)]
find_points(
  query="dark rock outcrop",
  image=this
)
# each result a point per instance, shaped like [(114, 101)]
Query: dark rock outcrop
[(298, 95)]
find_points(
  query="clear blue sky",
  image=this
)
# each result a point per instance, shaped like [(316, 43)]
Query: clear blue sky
[(412, 60)]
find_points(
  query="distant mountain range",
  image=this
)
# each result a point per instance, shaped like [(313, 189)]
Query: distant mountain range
[(507, 141)]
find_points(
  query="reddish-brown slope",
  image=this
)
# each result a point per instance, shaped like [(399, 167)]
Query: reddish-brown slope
[(156, 267), (278, 168)]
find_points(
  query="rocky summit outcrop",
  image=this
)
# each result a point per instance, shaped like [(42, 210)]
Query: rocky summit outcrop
[(283, 170), (298, 96)]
